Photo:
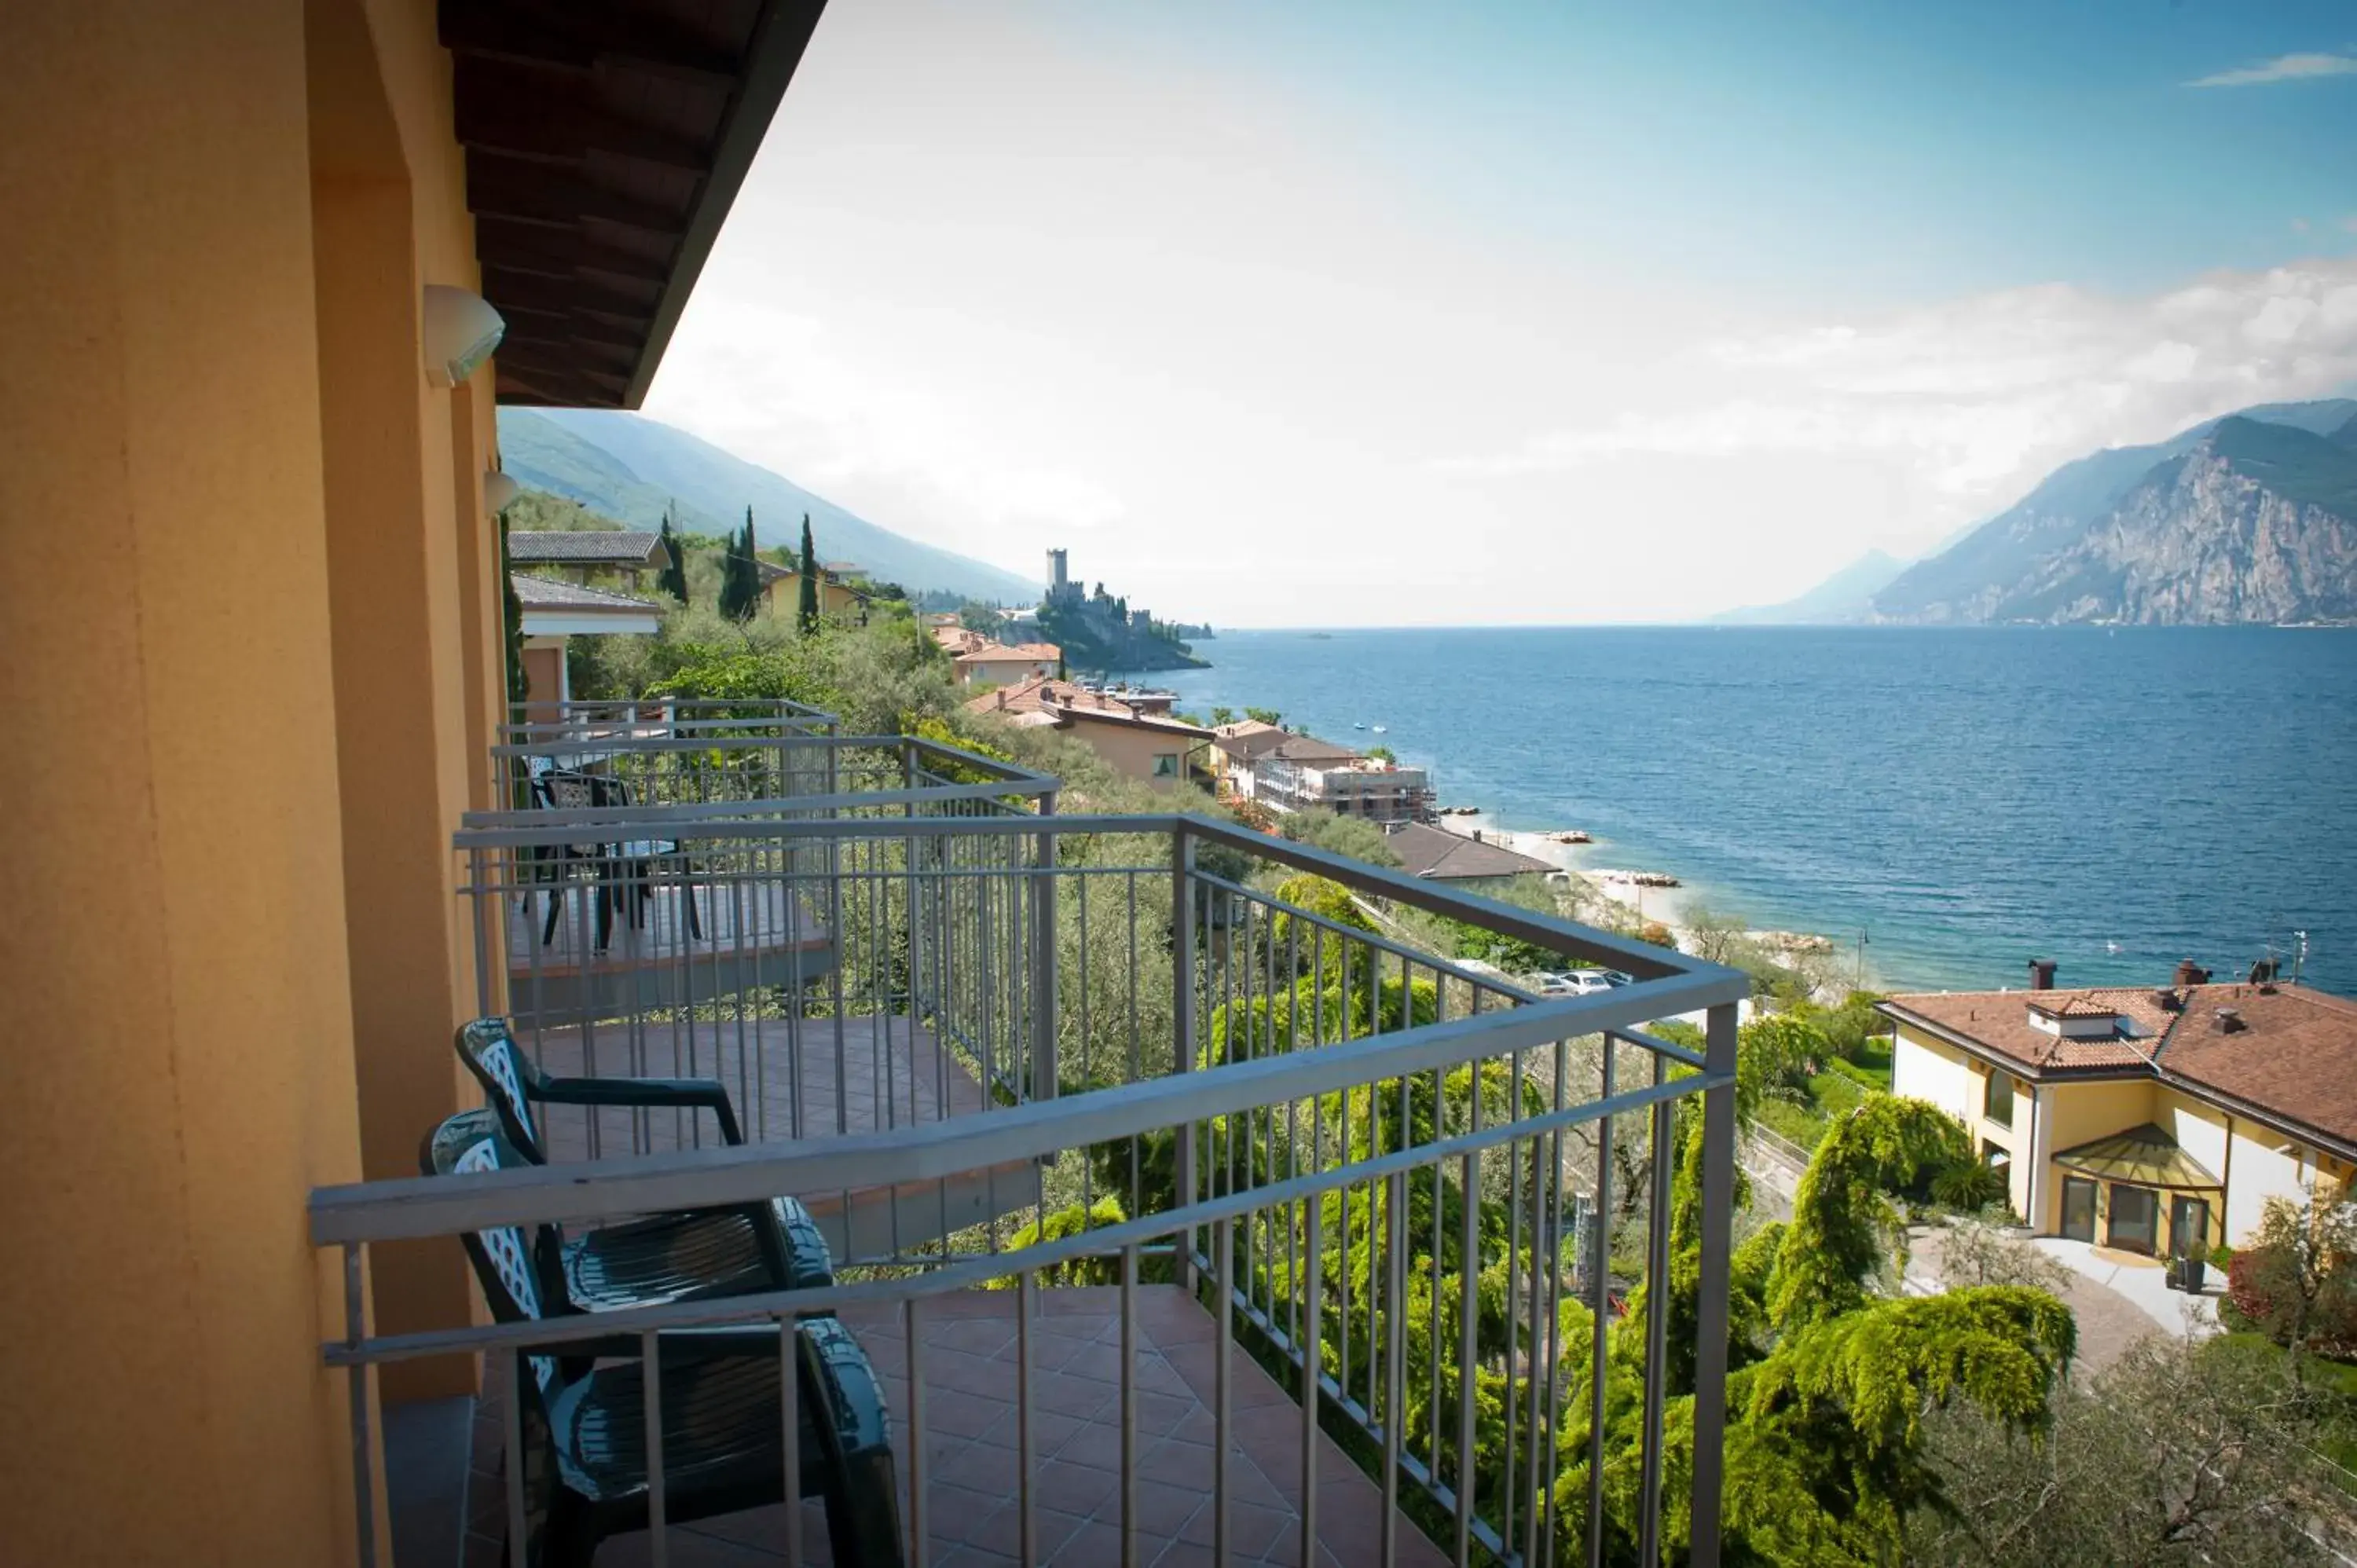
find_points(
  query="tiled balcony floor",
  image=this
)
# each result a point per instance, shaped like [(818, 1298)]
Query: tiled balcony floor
[(807, 1078), (970, 1358)]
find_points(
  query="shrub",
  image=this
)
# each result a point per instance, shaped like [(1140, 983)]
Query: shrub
[(1069, 1221), (2296, 1281), (1968, 1185)]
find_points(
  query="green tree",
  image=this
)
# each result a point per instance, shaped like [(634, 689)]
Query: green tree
[(519, 684), (1222, 716), (674, 580), (2296, 1279), (2180, 1454), (740, 576), (1265, 717), (1831, 1380), (806, 614)]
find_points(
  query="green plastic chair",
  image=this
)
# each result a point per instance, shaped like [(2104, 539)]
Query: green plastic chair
[(583, 1411), (740, 1250)]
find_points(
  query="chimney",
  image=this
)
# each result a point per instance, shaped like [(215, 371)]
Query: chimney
[(1001, 695), (2229, 1021), (2041, 974), (2263, 973), (2189, 974)]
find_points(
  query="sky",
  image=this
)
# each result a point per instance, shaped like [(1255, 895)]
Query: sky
[(1333, 314)]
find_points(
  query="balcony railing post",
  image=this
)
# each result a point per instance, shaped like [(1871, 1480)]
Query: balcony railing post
[(1043, 959), (1711, 1309), (909, 854), (1182, 1023)]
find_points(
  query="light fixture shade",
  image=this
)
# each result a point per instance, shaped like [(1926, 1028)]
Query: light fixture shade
[(500, 491), (461, 330)]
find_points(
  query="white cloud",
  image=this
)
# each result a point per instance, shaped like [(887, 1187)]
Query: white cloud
[(1964, 404), (2283, 68), (1156, 314)]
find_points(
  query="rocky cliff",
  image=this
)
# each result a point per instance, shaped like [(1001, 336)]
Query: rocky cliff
[(2248, 521)]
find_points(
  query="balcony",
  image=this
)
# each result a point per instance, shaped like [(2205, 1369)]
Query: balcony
[(1169, 1187)]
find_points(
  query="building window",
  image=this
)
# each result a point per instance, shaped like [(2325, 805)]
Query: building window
[(1996, 1155), (1997, 1102), (1166, 764)]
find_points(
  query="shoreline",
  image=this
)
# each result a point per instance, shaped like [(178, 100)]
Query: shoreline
[(1618, 884)]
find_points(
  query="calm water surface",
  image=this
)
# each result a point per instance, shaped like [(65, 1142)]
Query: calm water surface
[(2116, 800)]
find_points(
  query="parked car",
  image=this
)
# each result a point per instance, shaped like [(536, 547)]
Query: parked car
[(1578, 982)]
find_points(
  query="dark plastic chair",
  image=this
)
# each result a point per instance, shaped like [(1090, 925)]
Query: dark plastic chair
[(583, 1412), (736, 1250), (621, 872)]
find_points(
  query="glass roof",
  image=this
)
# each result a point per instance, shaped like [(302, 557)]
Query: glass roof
[(2145, 1155)]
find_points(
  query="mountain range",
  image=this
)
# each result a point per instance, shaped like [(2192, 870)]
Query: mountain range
[(630, 467), (2251, 518)]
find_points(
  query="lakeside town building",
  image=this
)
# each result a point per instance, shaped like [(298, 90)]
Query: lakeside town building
[(1436, 854), (838, 596), (1148, 745), (979, 661), (2143, 1118)]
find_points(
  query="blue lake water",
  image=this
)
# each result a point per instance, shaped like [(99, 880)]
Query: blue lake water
[(2116, 800)]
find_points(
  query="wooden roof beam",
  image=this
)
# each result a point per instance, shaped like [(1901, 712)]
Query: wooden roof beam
[(491, 117), (581, 39), (527, 247), (545, 197)]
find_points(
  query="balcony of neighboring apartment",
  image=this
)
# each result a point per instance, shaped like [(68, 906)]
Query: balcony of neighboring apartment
[(1120, 1201)]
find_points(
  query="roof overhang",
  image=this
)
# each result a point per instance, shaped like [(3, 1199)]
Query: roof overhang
[(591, 623), (605, 142)]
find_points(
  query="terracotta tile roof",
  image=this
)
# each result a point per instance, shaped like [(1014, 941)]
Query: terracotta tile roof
[(1310, 749), (1065, 701), (2294, 1056), (2291, 1054), (958, 639), (1444, 856), (984, 652), (1248, 738), (2001, 1021)]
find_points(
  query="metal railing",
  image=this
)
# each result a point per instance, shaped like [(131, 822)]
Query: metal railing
[(1163, 1051), (666, 751)]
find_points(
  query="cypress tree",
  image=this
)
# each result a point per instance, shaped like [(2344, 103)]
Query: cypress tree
[(808, 609), (740, 578), (674, 580), (519, 684)]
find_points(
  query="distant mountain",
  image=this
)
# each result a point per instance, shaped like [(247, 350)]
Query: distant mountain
[(2248, 518), (1844, 598), (629, 467)]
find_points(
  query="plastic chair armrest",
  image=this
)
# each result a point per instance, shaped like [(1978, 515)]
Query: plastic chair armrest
[(677, 1093)]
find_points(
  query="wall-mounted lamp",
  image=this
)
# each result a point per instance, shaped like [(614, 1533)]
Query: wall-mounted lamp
[(499, 492), (461, 330)]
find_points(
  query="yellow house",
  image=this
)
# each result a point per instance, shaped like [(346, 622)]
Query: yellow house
[(1151, 746), (253, 648), (836, 596), (2142, 1118)]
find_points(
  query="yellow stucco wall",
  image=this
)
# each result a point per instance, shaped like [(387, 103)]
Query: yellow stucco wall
[(833, 598), (1131, 749), (1927, 1067), (252, 646), (178, 1071), (389, 218)]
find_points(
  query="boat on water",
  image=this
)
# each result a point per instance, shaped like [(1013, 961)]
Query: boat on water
[(1359, 726), (1379, 730)]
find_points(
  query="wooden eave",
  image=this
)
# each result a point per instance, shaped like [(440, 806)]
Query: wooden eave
[(605, 141)]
